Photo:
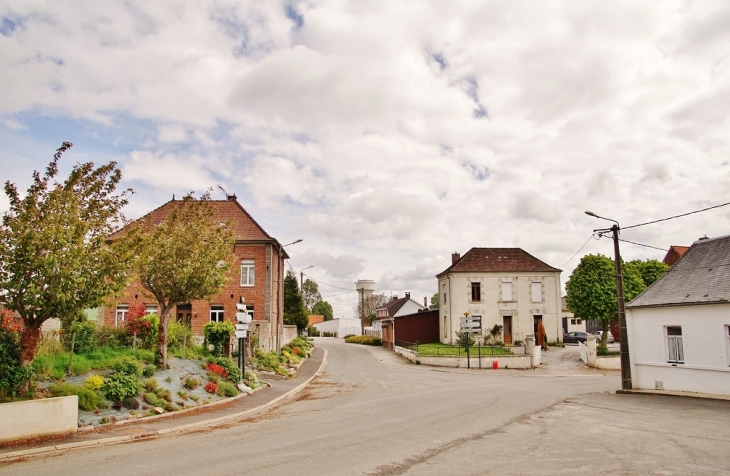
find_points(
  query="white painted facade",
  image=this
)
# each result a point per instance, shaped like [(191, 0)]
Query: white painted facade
[(409, 307), (341, 327), (519, 295), (705, 335), (572, 323)]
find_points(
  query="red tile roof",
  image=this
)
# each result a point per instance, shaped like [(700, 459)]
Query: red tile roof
[(244, 227), (674, 253), (491, 260)]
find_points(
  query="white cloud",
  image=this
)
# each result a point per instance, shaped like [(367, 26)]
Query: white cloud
[(390, 134)]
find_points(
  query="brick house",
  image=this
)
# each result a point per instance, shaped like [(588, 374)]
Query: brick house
[(504, 286), (256, 277)]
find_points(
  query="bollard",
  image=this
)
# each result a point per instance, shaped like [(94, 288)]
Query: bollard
[(495, 364)]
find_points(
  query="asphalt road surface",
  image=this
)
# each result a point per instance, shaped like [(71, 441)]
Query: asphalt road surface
[(362, 416)]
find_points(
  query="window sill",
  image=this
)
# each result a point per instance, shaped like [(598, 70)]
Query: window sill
[(248, 285)]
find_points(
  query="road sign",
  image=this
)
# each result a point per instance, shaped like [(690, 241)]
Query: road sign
[(241, 334), (241, 327)]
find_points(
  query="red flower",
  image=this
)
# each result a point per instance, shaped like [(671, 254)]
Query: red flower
[(211, 387), (217, 369)]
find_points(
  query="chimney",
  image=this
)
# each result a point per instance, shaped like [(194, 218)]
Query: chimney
[(703, 238), (394, 297), (455, 257), (425, 301), (408, 295)]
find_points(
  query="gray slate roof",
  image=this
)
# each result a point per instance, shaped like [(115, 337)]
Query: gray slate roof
[(701, 276)]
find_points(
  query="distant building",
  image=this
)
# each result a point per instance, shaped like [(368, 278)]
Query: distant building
[(674, 253), (504, 286)]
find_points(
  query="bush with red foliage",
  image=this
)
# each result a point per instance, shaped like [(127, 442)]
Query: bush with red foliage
[(10, 323), (217, 369), (211, 387)]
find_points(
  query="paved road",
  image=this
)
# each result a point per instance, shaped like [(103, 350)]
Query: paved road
[(371, 414)]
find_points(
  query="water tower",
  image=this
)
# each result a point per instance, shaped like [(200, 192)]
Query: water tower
[(365, 288)]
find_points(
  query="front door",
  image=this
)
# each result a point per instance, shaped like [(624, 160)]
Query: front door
[(507, 329)]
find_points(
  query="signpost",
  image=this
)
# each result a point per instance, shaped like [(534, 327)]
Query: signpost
[(470, 325), (243, 319)]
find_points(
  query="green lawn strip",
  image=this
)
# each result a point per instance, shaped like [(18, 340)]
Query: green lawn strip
[(56, 365), (445, 349)]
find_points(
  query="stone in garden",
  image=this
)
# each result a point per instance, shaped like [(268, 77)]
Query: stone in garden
[(245, 389), (158, 410)]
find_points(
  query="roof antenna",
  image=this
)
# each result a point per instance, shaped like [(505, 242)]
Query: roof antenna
[(228, 195)]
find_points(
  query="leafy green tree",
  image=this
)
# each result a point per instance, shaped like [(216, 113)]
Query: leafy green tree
[(323, 308), (310, 294), (184, 258), (591, 289), (649, 270), (294, 312), (434, 302), (54, 257)]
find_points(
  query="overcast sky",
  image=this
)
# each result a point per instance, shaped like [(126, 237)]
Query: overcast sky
[(388, 134)]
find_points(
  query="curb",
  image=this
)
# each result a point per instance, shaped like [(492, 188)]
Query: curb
[(669, 393), (165, 431)]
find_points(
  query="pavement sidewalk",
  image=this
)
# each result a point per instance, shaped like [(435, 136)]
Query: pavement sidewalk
[(225, 410)]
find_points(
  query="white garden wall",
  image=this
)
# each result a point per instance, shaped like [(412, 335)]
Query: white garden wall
[(34, 418)]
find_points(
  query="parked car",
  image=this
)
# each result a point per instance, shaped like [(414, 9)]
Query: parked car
[(575, 337), (599, 335)]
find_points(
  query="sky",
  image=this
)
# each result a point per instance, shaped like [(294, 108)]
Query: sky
[(389, 134)]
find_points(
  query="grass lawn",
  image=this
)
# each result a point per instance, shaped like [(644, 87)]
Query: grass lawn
[(55, 365), (446, 349)]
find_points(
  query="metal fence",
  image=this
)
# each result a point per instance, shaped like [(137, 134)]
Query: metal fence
[(454, 351)]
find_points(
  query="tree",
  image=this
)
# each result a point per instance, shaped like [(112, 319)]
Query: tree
[(323, 308), (294, 312), (370, 304), (649, 270), (184, 258), (54, 257), (434, 302), (591, 289), (310, 294)]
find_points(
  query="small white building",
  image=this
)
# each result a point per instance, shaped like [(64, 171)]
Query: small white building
[(679, 328), (340, 327), (503, 286), (396, 307), (570, 322)]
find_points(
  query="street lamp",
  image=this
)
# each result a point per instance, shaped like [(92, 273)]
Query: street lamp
[(293, 242), (301, 289), (625, 359)]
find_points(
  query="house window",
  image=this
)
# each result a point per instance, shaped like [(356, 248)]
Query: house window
[(476, 292), (507, 292), (675, 350), (247, 272), (727, 342), (572, 322), (536, 292), (444, 288), (122, 310), (216, 313), (150, 309)]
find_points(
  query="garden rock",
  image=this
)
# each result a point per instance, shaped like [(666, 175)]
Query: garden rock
[(245, 389), (158, 410)]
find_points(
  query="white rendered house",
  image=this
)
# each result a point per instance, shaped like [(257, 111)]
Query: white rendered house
[(679, 328), (504, 286)]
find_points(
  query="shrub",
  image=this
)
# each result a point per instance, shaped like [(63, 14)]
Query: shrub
[(365, 340), (119, 385), (251, 379), (12, 374), (130, 403), (88, 399), (94, 382), (463, 337), (176, 334), (150, 385), (111, 337), (211, 387), (217, 369), (231, 368), (227, 389), (152, 399), (127, 366), (218, 334), (601, 349), (149, 370), (349, 335), (84, 340), (191, 383)]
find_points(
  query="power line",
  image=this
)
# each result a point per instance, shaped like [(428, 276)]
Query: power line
[(339, 294), (576, 253), (640, 244), (676, 216), (336, 287)]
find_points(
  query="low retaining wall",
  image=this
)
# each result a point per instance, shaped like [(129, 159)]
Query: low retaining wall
[(33, 418), (608, 362), (589, 355), (505, 361)]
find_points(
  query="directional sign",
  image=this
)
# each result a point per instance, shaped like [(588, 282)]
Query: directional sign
[(241, 327), (241, 334)]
